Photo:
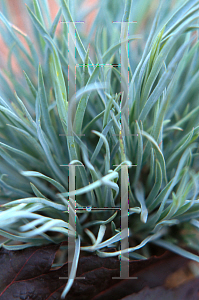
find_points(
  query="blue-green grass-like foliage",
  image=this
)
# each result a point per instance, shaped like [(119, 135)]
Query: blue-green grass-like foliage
[(161, 153)]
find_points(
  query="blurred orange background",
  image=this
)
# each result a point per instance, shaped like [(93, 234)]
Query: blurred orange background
[(19, 17)]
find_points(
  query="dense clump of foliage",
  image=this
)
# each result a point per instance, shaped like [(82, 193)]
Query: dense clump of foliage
[(161, 151)]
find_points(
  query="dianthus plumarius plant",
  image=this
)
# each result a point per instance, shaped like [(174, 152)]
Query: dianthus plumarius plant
[(54, 116)]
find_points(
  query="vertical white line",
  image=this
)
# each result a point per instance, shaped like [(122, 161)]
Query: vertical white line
[(124, 78), (72, 217), (124, 221), (71, 114), (124, 169), (71, 76)]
